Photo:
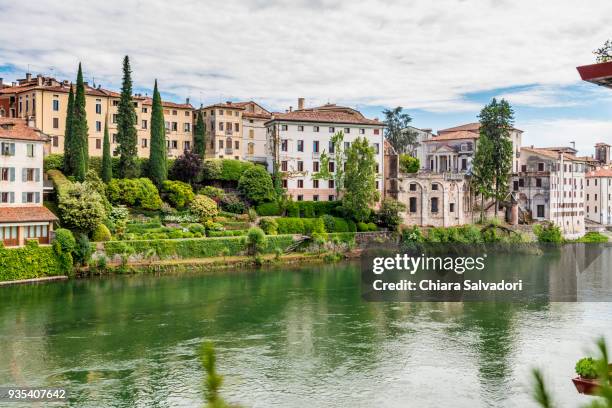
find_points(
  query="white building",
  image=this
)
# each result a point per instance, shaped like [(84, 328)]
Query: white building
[(22, 215), (254, 134), (422, 135), (599, 196), (297, 138)]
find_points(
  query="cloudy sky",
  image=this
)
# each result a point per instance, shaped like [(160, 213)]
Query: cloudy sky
[(440, 60)]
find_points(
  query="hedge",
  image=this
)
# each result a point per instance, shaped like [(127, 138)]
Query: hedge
[(336, 224), (300, 225), (227, 233), (224, 169), (268, 209), (30, 261), (311, 209), (193, 247)]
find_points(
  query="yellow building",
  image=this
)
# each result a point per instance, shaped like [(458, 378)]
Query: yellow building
[(223, 122), (43, 101)]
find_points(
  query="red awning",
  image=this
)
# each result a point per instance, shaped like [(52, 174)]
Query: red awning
[(600, 74)]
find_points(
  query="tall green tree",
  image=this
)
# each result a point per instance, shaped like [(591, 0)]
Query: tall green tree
[(106, 172), (79, 132), (496, 123), (397, 133), (158, 157), (126, 131), (199, 136), (360, 191), (482, 172), (68, 141)]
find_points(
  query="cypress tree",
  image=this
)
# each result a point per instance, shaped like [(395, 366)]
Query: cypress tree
[(126, 130), (158, 163), (68, 142), (106, 173), (199, 136), (79, 131)]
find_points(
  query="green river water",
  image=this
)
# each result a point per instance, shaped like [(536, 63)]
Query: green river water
[(285, 337)]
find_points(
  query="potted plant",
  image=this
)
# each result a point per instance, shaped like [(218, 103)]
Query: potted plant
[(587, 380)]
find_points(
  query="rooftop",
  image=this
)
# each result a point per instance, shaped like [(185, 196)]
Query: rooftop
[(329, 113), (18, 129), (26, 214), (454, 135), (600, 173), (552, 154), (599, 74)]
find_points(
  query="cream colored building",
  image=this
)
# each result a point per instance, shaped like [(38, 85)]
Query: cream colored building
[(254, 133), (599, 196), (43, 100), (223, 123)]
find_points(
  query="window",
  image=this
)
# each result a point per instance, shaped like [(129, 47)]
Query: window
[(413, 186), (187, 127), (284, 145), (377, 148), (315, 146), (315, 166), (8, 149), (331, 166), (377, 168), (98, 144), (451, 207), (362, 131), (315, 183), (332, 148), (300, 183), (251, 133), (236, 144), (7, 197), (55, 123), (315, 197), (332, 129), (434, 204), (515, 185), (7, 174), (300, 165), (376, 131), (30, 197), (30, 149), (521, 182), (540, 210), (347, 145), (98, 126), (115, 102), (114, 118), (187, 114), (284, 183), (251, 148), (538, 182), (144, 110), (300, 128), (174, 112), (331, 197), (220, 125), (144, 142), (300, 145), (315, 128), (283, 127), (186, 145), (540, 166), (56, 105), (524, 168), (434, 187), (98, 108), (220, 144), (174, 126), (284, 165), (300, 197), (237, 127), (144, 124), (413, 204), (330, 183), (55, 141), (347, 130), (463, 164), (174, 144)]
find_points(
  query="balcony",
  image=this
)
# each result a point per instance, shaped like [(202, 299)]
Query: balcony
[(229, 132)]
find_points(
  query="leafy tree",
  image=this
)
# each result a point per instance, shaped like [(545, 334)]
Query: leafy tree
[(81, 207), (199, 136), (256, 185), (139, 192), (397, 133), (187, 167), (389, 213), (496, 121), (482, 171), (179, 194), (604, 54), (106, 171), (158, 163), (339, 160), (68, 140), (79, 133), (360, 180), (126, 130), (203, 207), (409, 164), (83, 250)]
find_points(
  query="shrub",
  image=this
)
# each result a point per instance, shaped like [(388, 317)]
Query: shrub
[(389, 213), (587, 368), (81, 207), (33, 261), (268, 209), (256, 185), (187, 167), (53, 162), (335, 224), (366, 226), (408, 164), (227, 233), (213, 192), (65, 240), (548, 233), (197, 229), (134, 192), (307, 226), (101, 233), (269, 226), (211, 169), (593, 237), (232, 203), (224, 169), (203, 207), (412, 235), (256, 241), (83, 250), (179, 194)]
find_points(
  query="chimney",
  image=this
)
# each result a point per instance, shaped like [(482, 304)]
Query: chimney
[(186, 101), (28, 76), (300, 103), (291, 109), (31, 122), (40, 80)]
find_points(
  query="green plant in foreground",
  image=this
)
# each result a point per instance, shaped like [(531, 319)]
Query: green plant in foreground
[(212, 380), (586, 368)]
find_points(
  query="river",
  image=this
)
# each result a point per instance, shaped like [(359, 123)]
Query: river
[(285, 337)]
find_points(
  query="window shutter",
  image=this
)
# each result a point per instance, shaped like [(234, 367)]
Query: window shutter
[(37, 175), (12, 197), (12, 149), (12, 174), (37, 197), (23, 197), (23, 174)]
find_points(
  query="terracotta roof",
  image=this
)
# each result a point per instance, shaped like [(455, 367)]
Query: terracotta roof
[(18, 129), (256, 115), (551, 153), (600, 173), (26, 214), (470, 127), (149, 101), (455, 135), (326, 116), (588, 159), (226, 105)]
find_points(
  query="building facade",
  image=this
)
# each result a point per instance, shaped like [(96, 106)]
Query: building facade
[(599, 196), (22, 214), (44, 100), (223, 123), (550, 186), (297, 139), (254, 134)]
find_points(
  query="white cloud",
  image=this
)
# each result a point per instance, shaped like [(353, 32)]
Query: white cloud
[(560, 132), (549, 96), (420, 54)]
